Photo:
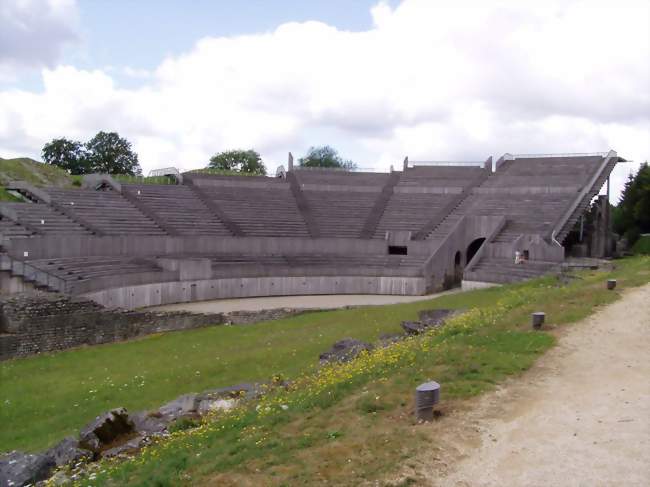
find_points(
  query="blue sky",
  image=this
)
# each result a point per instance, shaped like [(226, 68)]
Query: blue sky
[(141, 33), (378, 80)]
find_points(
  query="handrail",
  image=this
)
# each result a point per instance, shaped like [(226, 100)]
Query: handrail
[(510, 157), (585, 190)]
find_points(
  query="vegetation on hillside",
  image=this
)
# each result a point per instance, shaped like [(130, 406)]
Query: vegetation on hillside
[(238, 161), (327, 157), (642, 246), (362, 410), (631, 216), (106, 153), (33, 172)]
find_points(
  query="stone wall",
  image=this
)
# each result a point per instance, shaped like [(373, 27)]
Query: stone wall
[(45, 322)]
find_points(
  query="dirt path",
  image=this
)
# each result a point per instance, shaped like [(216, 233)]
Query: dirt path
[(580, 417), (323, 301)]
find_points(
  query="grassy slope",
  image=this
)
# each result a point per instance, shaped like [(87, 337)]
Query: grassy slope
[(145, 373), (360, 428), (36, 173)]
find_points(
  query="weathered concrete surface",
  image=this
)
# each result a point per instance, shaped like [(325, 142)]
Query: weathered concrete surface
[(580, 416)]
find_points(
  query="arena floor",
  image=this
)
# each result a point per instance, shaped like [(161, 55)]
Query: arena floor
[(327, 301)]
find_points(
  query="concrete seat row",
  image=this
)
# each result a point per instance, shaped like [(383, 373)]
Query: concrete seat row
[(340, 213), (179, 208), (12, 229), (84, 268), (107, 211), (44, 219), (267, 211)]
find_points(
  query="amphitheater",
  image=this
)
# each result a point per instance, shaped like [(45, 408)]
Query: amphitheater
[(410, 232)]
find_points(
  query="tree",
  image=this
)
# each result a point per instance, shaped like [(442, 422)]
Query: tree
[(111, 154), (244, 161), (325, 156), (632, 215), (69, 155)]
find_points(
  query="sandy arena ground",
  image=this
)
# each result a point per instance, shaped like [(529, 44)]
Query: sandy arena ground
[(579, 417), (296, 302)]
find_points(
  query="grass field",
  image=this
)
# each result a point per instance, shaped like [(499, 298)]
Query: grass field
[(362, 412)]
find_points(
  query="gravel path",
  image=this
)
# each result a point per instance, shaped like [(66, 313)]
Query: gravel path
[(579, 417), (297, 302)]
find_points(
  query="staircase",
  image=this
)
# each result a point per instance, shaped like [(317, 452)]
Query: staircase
[(503, 271), (559, 234)]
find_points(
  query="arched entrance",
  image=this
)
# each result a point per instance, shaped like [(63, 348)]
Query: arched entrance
[(472, 248)]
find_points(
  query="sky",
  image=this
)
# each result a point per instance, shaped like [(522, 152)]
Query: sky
[(377, 80)]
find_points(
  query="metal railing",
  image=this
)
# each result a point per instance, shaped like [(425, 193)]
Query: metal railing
[(585, 191), (445, 163), (511, 157)]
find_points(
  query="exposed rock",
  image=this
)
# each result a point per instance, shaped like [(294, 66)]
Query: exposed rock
[(414, 327), (244, 391), (435, 317), (149, 424), (132, 445), (207, 406), (105, 429), (344, 350), (18, 469), (388, 339), (67, 451), (429, 318), (184, 405)]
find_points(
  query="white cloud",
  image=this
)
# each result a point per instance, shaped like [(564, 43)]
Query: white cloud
[(429, 80), (34, 32)]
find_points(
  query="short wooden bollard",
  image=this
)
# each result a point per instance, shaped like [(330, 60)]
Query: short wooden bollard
[(538, 319), (611, 284), (427, 395)]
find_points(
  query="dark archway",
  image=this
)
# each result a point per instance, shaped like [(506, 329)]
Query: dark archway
[(472, 248)]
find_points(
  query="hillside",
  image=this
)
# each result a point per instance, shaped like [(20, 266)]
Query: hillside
[(34, 172)]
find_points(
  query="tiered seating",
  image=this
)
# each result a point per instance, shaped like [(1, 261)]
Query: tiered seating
[(108, 211), (45, 219), (267, 209), (12, 229), (179, 208), (240, 262), (535, 212), (78, 269), (419, 196), (559, 172), (341, 201)]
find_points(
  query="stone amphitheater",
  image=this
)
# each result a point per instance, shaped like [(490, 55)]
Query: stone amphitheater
[(409, 232)]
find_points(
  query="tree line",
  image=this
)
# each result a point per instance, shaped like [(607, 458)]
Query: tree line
[(631, 217), (109, 153)]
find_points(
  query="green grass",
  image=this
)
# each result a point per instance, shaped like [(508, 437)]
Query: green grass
[(147, 372), (642, 246), (366, 417), (126, 178), (33, 172), (6, 196)]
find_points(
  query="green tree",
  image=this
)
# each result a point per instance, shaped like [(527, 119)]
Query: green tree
[(67, 154), (111, 154), (632, 215), (325, 156), (244, 161)]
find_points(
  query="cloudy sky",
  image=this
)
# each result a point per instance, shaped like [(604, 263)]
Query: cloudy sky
[(377, 80)]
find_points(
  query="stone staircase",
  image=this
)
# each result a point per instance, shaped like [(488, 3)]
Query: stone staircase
[(503, 271)]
